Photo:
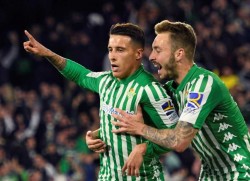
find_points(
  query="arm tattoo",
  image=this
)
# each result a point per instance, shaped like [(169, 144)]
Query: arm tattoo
[(57, 61), (171, 138)]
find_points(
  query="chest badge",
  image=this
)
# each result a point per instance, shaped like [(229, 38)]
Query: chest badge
[(131, 93)]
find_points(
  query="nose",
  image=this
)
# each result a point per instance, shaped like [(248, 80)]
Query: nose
[(112, 57), (151, 56)]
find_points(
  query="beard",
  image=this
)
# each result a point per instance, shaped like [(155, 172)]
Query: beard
[(171, 68)]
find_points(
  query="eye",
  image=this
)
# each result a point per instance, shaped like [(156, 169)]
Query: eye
[(157, 50), (120, 49)]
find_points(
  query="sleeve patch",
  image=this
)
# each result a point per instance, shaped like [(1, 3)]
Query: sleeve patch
[(194, 100), (168, 108)]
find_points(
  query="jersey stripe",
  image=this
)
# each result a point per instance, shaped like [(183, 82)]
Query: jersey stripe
[(116, 94), (110, 140)]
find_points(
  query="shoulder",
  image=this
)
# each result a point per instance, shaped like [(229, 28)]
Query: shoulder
[(148, 81), (155, 89), (207, 80), (145, 78)]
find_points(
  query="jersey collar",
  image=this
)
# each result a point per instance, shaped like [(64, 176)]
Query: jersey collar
[(187, 77), (132, 77)]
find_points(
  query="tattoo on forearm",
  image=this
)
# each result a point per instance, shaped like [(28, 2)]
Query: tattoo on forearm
[(57, 61), (170, 138)]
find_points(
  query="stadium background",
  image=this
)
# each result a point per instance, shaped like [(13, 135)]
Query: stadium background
[(43, 117)]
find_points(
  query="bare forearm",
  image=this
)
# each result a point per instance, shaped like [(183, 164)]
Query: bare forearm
[(56, 60), (36, 48), (177, 139), (164, 137)]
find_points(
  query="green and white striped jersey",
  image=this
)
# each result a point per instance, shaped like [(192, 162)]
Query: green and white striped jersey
[(138, 89), (223, 140)]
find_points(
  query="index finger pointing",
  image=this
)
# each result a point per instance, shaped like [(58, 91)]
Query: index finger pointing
[(28, 35)]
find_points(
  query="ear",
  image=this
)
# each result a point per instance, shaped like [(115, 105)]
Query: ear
[(139, 54), (179, 54)]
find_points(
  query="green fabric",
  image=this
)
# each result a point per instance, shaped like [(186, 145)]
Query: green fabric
[(81, 146), (223, 141), (138, 89)]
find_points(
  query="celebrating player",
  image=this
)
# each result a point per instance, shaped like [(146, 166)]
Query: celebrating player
[(126, 86), (210, 119)]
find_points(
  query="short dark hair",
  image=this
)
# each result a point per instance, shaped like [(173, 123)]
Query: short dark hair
[(129, 29)]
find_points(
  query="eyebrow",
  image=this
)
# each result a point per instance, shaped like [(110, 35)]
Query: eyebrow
[(156, 47), (117, 47)]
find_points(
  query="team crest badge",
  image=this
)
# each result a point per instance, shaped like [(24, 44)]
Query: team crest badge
[(131, 93)]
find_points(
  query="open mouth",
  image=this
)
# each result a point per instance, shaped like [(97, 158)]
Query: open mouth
[(114, 67), (157, 65)]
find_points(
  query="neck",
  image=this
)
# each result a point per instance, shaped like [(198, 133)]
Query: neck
[(183, 70)]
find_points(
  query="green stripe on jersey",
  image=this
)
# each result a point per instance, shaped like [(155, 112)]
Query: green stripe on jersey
[(222, 141), (138, 89)]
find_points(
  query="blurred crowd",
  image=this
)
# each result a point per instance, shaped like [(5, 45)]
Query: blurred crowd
[(44, 118)]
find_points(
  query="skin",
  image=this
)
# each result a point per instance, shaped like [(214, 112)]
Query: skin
[(174, 65), (125, 58), (134, 161), (124, 55), (94, 143), (36, 48)]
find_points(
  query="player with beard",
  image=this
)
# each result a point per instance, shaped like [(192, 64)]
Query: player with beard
[(209, 118)]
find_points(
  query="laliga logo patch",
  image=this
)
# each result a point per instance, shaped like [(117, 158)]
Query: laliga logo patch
[(194, 100), (131, 93), (168, 107)]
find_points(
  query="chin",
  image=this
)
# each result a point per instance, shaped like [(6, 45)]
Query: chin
[(163, 76), (117, 76)]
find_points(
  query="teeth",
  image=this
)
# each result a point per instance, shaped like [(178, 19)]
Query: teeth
[(156, 65)]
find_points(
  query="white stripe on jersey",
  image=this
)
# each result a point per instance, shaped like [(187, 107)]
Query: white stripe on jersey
[(236, 175), (139, 95), (158, 108), (246, 139), (109, 141), (192, 116), (218, 158), (138, 98), (203, 151), (129, 106), (103, 89), (159, 92), (198, 84), (115, 137), (215, 142)]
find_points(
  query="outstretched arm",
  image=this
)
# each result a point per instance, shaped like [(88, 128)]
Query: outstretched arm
[(177, 139), (36, 48)]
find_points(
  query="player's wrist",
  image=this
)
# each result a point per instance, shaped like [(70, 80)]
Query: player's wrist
[(141, 130), (142, 148)]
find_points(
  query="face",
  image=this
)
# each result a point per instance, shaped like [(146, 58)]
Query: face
[(162, 57), (124, 56)]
